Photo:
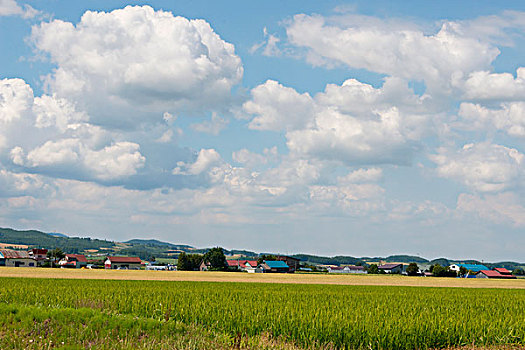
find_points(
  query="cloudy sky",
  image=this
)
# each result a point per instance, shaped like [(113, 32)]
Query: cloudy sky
[(326, 127)]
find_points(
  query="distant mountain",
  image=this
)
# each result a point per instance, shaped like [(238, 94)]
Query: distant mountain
[(406, 259), (38, 239), (157, 243), (56, 234)]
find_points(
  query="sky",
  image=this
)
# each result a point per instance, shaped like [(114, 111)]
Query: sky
[(363, 128)]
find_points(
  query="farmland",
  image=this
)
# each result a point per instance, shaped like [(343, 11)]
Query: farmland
[(185, 314)]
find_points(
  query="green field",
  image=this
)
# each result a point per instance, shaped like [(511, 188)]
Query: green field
[(199, 315)]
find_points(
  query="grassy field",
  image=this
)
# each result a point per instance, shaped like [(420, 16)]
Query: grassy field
[(45, 313), (364, 280)]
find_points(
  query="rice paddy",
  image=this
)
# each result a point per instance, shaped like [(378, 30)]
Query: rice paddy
[(258, 315)]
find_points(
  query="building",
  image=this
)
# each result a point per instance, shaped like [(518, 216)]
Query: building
[(122, 262), (338, 269), (40, 255), (243, 265), (391, 268), (475, 268), (16, 258), (493, 274), (273, 266), (204, 266), (75, 261), (503, 271), (293, 263)]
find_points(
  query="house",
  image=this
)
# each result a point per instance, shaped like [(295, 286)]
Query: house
[(475, 268), (338, 269), (16, 258), (243, 265), (75, 261), (293, 263), (40, 255), (122, 262), (493, 274), (391, 268), (503, 271), (272, 266)]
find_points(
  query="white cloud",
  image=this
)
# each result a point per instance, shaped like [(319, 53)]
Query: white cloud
[(500, 208), (393, 48), (206, 159), (16, 97), (138, 60), (252, 159), (121, 159), (213, 126), (11, 8), (57, 112), (278, 107), (354, 123), (361, 175), (483, 167), (510, 118), (484, 85)]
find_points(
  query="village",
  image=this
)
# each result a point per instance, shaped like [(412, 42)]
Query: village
[(42, 258)]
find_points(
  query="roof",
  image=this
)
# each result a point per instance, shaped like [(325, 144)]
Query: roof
[(124, 259), (280, 257), (503, 270), (14, 254), (253, 263), (389, 266), (78, 257), (276, 264), (233, 263), (39, 251), (473, 267), (354, 267), (494, 274), (337, 268)]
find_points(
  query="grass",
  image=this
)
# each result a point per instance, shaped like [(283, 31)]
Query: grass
[(186, 315)]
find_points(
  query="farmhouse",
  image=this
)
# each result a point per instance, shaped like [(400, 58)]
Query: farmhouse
[(73, 261), (347, 269), (269, 266), (293, 263), (493, 274), (122, 262), (470, 267), (243, 265), (503, 271), (40, 255), (16, 258), (391, 268)]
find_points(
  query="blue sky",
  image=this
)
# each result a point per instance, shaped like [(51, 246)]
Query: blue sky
[(362, 128)]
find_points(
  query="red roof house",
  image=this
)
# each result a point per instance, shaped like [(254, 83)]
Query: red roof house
[(502, 270), (493, 274)]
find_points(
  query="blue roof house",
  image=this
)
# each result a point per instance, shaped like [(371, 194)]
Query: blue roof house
[(275, 266)]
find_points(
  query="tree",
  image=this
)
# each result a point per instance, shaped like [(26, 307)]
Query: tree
[(463, 271), (55, 255), (216, 258), (188, 262), (412, 269), (518, 272), (373, 269), (269, 257), (440, 271)]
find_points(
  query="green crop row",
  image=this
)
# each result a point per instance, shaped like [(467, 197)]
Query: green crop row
[(377, 317)]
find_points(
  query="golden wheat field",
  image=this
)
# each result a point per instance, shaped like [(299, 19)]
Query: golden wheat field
[(372, 280)]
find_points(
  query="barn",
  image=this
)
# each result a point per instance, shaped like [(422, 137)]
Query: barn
[(123, 262), (16, 258)]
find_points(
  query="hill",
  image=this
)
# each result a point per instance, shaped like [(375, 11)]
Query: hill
[(37, 239), (157, 243)]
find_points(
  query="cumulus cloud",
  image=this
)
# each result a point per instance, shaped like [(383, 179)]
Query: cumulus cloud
[(500, 208), (354, 123), (483, 167), (278, 107), (206, 159), (11, 8), (48, 134), (252, 159), (138, 59), (484, 85), (362, 175), (393, 48), (510, 118)]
